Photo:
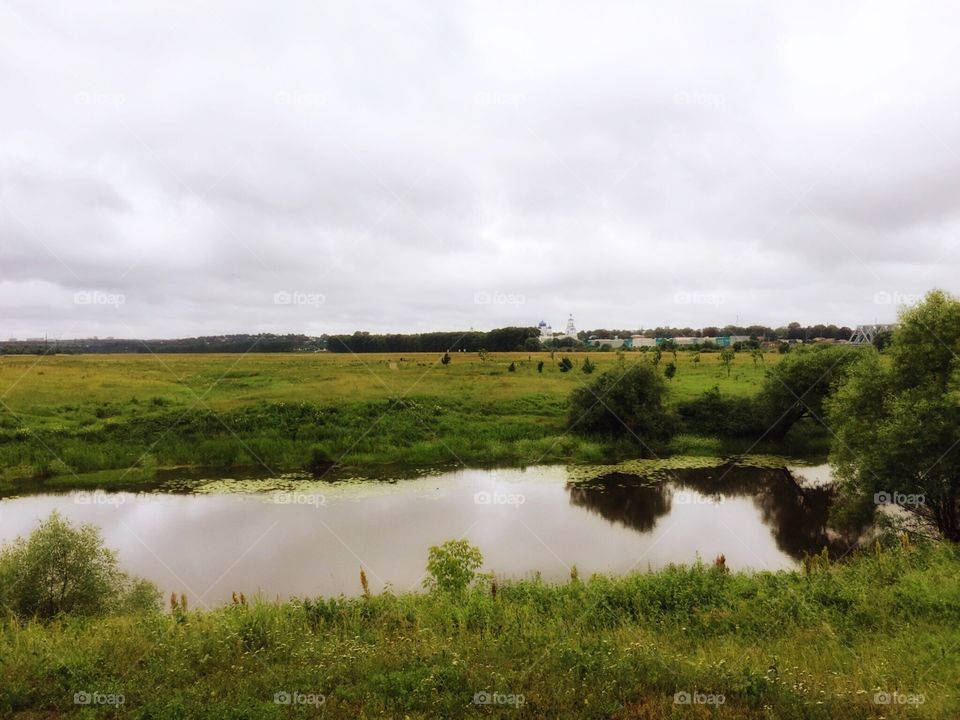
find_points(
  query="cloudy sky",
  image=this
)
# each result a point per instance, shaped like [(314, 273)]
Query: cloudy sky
[(173, 169)]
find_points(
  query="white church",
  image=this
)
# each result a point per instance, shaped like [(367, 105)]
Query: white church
[(547, 333)]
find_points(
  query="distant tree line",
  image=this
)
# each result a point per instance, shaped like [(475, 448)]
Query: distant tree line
[(793, 331), (264, 343), (506, 339)]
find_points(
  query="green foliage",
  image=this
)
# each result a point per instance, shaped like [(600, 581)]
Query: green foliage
[(588, 367), (61, 569), (512, 367), (798, 385), (445, 360), (670, 370), (897, 425), (540, 366), (717, 415), (452, 566), (630, 403), (565, 364)]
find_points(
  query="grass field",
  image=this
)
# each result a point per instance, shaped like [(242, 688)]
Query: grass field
[(68, 418), (873, 637)]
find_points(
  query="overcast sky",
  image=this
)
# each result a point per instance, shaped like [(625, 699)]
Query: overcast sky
[(174, 169)]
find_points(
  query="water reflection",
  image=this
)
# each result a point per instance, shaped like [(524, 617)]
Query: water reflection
[(796, 515)]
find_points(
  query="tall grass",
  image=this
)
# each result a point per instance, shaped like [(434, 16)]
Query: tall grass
[(815, 643)]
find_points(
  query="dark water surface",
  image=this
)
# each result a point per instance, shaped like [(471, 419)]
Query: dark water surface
[(301, 539)]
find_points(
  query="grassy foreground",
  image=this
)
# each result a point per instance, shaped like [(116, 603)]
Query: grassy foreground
[(69, 418), (874, 636)]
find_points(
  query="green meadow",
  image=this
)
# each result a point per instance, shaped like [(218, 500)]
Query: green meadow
[(114, 420)]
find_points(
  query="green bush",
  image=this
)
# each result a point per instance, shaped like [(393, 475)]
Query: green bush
[(61, 569), (631, 403), (716, 415)]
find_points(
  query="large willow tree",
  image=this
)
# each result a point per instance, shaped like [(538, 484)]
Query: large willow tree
[(897, 420)]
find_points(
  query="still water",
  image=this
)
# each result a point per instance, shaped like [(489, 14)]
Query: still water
[(308, 539)]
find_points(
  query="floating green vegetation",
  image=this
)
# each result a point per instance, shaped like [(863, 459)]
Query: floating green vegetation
[(659, 469)]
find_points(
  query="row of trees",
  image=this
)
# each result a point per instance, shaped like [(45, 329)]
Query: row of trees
[(242, 343), (793, 331), (506, 339)]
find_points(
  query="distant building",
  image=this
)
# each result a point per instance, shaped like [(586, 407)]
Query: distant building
[(547, 333), (615, 342)]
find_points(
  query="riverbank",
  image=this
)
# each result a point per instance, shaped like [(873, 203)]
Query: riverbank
[(873, 636), (112, 422)]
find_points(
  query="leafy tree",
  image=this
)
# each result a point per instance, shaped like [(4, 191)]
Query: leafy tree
[(657, 354), (62, 569), (632, 403), (783, 347), (727, 357), (532, 344), (483, 354), (445, 359), (897, 423), (797, 386), (540, 366), (588, 367), (696, 358), (757, 355), (565, 364), (670, 370), (882, 339), (452, 566)]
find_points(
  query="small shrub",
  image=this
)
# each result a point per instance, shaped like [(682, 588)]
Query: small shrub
[(452, 566)]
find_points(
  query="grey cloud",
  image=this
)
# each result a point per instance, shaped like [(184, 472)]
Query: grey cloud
[(397, 159)]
